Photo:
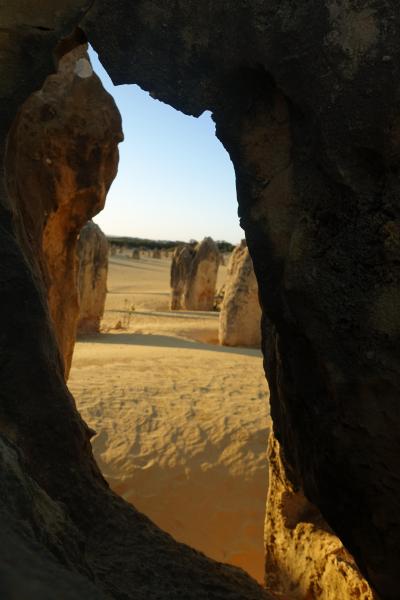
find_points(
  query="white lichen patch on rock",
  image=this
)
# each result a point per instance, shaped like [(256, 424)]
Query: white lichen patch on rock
[(83, 68)]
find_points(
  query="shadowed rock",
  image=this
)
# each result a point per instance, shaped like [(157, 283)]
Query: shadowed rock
[(199, 289), (61, 161), (40, 543), (135, 254), (240, 316), (92, 283)]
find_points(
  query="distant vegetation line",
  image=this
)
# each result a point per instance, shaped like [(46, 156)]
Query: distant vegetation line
[(134, 242)]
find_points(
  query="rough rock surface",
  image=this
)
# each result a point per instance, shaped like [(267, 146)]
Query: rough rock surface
[(305, 99), (304, 96), (39, 541), (180, 269), (304, 559), (61, 161), (240, 316), (92, 281), (200, 285)]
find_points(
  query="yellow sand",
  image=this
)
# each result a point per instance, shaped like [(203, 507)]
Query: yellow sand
[(181, 424)]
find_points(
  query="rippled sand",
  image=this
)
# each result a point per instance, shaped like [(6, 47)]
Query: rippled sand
[(181, 424)]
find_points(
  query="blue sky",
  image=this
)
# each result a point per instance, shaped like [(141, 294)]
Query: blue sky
[(175, 180)]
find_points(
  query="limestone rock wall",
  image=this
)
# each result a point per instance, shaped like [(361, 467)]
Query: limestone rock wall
[(62, 157), (304, 558), (200, 285), (240, 316), (92, 282)]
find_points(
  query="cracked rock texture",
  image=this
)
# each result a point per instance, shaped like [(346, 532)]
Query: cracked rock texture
[(240, 316), (92, 281), (304, 559)]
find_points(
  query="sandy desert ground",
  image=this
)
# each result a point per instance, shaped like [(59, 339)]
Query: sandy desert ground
[(182, 423)]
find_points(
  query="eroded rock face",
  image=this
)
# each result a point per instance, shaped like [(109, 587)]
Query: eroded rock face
[(92, 281), (62, 157), (240, 317), (40, 543), (304, 559), (305, 99), (180, 269), (199, 289)]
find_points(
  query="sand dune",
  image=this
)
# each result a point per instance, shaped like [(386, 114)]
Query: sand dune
[(181, 424)]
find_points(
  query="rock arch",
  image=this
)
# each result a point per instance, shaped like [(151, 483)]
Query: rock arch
[(305, 100)]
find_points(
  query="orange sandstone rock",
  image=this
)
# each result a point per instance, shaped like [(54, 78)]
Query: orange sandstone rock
[(304, 558), (62, 157)]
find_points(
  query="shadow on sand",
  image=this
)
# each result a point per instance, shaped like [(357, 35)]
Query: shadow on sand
[(163, 341)]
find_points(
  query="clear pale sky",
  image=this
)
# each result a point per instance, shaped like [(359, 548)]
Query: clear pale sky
[(175, 180)]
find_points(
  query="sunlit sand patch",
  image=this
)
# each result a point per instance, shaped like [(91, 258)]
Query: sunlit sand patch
[(181, 425)]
